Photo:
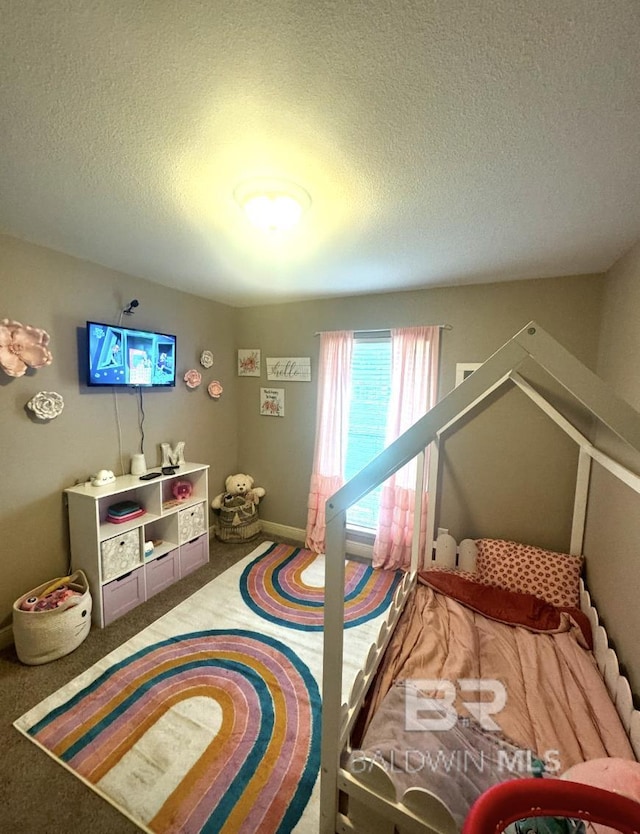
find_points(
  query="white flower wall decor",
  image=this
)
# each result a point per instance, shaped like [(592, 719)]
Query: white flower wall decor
[(46, 405)]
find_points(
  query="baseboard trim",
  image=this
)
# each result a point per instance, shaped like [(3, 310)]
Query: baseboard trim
[(6, 636), (271, 528), (363, 551)]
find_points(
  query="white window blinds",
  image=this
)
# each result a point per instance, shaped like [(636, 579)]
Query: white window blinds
[(370, 393)]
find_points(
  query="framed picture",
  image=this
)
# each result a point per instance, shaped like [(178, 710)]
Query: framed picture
[(249, 362), (272, 402), (465, 369), (290, 368)]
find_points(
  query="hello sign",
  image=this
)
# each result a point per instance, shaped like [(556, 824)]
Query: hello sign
[(291, 368)]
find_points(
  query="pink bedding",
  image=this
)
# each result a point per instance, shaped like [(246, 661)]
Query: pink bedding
[(510, 607), (556, 704)]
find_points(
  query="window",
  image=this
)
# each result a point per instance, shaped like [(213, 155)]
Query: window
[(370, 395), (389, 395)]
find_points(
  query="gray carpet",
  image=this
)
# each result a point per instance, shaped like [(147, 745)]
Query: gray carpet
[(38, 795)]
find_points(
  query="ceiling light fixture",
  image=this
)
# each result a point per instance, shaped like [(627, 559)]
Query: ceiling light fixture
[(272, 205)]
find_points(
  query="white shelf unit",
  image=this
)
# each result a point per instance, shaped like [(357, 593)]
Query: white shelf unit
[(112, 555)]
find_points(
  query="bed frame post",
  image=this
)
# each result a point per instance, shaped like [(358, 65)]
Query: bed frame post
[(332, 668), (417, 515), (580, 503), (433, 481)]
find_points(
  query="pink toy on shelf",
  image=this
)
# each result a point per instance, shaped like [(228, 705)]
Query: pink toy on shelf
[(182, 490)]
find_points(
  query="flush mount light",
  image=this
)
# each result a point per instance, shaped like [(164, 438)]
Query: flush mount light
[(272, 205)]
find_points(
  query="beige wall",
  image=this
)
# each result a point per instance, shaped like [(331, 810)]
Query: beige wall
[(59, 293), (510, 473), (612, 543)]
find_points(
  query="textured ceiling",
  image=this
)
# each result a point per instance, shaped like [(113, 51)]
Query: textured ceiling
[(442, 141)]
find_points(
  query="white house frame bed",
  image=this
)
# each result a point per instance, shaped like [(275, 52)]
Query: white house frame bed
[(530, 349)]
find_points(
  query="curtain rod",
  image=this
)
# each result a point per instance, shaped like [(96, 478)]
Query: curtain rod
[(383, 329)]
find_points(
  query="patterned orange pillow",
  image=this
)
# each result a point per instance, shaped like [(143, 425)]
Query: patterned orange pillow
[(553, 577)]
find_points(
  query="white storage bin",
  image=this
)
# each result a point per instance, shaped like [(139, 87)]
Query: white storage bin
[(42, 636), (191, 523), (120, 554)]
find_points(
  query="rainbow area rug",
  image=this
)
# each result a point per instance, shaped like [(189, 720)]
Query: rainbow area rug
[(286, 586), (209, 719)]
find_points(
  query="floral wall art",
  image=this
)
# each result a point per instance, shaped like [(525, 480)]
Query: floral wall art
[(46, 405), (193, 378), (215, 389), (206, 359), (272, 402), (249, 362), (22, 346)]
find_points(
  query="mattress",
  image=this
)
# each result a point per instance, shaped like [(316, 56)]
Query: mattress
[(466, 699)]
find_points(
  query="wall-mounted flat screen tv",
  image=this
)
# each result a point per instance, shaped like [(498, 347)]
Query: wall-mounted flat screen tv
[(126, 356)]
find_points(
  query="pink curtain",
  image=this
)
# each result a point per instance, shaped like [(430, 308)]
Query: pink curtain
[(414, 374), (332, 426)]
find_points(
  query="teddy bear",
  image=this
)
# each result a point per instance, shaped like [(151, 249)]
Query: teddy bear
[(238, 485)]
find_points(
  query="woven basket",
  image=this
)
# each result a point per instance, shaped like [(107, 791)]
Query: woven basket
[(238, 521), (42, 636)]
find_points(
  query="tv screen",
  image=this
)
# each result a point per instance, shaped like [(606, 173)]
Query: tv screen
[(126, 356)]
